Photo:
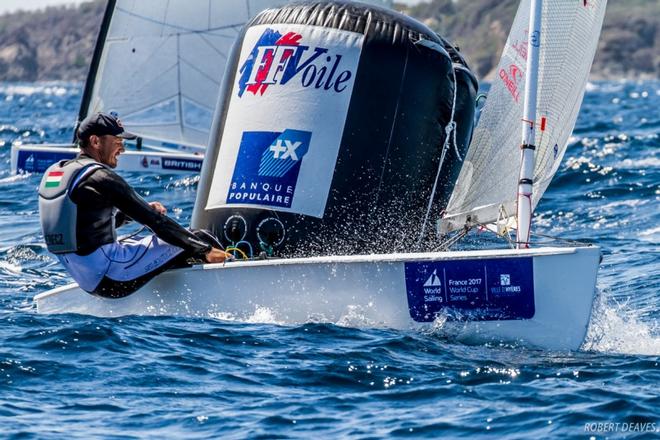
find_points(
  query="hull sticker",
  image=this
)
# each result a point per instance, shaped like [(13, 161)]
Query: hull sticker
[(39, 161), (493, 289), (182, 164)]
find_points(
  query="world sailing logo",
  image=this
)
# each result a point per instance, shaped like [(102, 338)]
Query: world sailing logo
[(278, 59), (267, 167), (433, 288)]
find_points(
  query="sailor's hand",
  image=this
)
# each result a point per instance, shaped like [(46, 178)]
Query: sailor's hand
[(159, 207), (218, 256)]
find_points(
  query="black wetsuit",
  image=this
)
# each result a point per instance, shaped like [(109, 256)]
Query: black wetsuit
[(103, 195)]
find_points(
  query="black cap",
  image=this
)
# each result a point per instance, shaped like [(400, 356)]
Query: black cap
[(100, 124)]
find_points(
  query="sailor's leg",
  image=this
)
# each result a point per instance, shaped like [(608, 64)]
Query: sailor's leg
[(134, 264)]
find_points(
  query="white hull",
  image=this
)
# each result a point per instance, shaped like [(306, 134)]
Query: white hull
[(37, 158), (372, 290)]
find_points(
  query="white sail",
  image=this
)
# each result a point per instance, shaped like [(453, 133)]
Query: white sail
[(163, 61), (487, 185)]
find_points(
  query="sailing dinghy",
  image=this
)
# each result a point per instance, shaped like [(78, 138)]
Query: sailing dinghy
[(277, 175)]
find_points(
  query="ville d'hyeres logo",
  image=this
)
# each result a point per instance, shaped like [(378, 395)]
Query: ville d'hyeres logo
[(281, 59), (267, 167)]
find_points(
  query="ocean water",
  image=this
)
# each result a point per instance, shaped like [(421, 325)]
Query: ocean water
[(71, 376)]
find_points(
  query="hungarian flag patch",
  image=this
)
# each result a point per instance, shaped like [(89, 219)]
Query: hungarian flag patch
[(54, 178)]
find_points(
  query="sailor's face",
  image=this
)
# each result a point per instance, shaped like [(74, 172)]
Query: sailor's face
[(110, 147)]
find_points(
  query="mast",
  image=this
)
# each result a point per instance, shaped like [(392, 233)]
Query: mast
[(527, 147), (94, 65)]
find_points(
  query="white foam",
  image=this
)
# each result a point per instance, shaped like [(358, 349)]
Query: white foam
[(16, 269), (14, 178), (643, 163), (263, 315), (28, 90), (616, 328), (618, 205), (356, 316), (651, 235), (591, 87)]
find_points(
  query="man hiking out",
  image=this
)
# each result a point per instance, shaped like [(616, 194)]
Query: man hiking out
[(81, 203)]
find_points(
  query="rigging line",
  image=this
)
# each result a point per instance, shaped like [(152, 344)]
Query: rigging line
[(178, 79), (167, 8), (561, 239), (198, 70), (503, 217), (199, 104), (448, 243), (394, 119), (147, 107), (451, 127), (124, 38), (215, 49), (228, 37), (181, 28), (509, 240)]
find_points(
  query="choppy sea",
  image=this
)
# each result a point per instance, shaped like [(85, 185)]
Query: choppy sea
[(79, 377)]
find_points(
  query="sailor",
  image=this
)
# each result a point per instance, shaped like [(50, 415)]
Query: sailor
[(81, 203)]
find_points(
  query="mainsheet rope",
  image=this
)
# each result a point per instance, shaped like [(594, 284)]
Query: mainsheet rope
[(450, 134)]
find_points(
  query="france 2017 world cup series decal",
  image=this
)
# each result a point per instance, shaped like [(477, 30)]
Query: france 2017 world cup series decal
[(267, 167), (479, 290)]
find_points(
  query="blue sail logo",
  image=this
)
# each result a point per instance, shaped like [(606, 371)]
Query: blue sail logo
[(267, 167), (284, 153)]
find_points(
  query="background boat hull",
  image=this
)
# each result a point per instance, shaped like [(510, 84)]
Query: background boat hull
[(37, 158)]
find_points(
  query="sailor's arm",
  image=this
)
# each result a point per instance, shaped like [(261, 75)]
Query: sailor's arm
[(121, 219), (122, 196)]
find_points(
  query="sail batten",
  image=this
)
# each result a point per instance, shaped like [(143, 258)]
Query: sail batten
[(489, 176)]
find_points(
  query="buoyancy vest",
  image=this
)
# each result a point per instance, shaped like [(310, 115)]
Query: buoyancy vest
[(57, 211)]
